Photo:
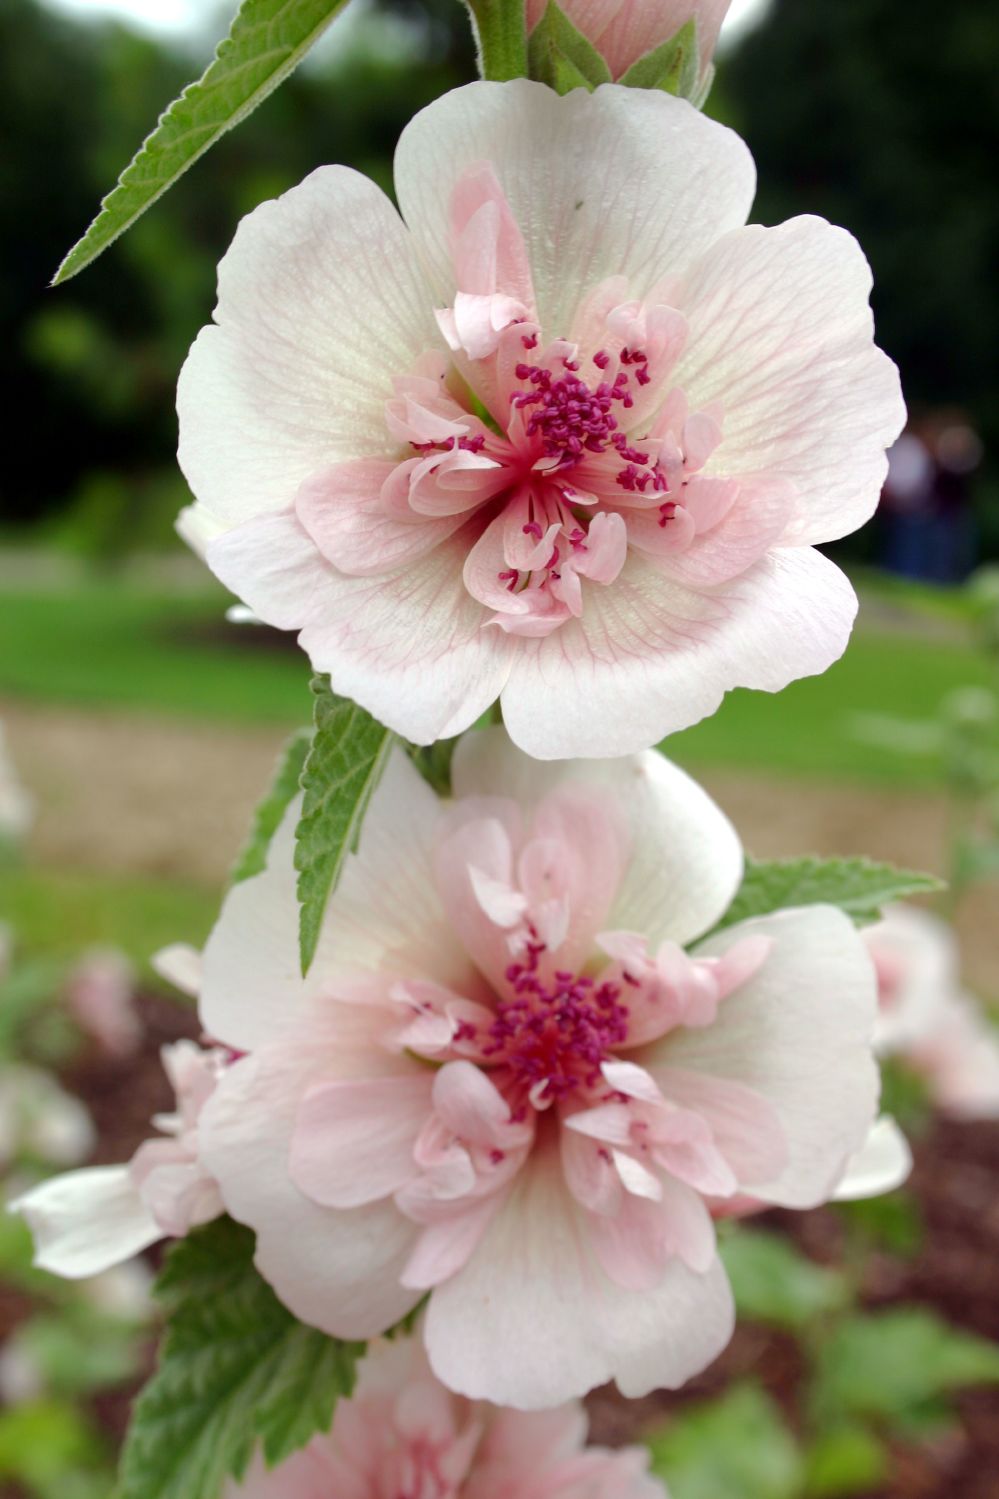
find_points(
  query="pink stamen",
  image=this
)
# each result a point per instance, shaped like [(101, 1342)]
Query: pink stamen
[(572, 419), (556, 1033)]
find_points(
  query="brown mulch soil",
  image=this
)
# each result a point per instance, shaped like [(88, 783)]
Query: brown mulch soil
[(956, 1273)]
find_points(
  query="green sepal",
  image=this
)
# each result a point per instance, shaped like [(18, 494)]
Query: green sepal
[(561, 56), (674, 66)]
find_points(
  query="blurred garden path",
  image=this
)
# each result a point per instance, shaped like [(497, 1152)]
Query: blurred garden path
[(123, 793)]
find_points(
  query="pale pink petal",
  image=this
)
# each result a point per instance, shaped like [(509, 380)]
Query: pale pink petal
[(532, 1320), (353, 1140), (754, 522), (781, 334), (488, 247), (626, 32), (636, 1245), (469, 1103), (529, 1441), (337, 1270), (342, 510), (610, 194), (798, 1033), (443, 1248), (475, 842), (274, 566), (685, 861), (288, 382), (745, 1126), (385, 913), (86, 1221), (649, 658), (410, 647), (304, 1475)]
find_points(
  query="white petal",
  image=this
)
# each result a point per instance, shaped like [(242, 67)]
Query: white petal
[(685, 862), (87, 1221), (180, 965), (622, 181), (335, 1269), (880, 1165), (798, 1033), (648, 657), (781, 334), (320, 304), (532, 1320), (409, 646), (385, 913)]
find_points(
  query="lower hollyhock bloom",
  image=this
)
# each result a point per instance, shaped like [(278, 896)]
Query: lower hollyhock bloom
[(86, 1221), (402, 1433), (567, 436), (505, 1082), (926, 1018)]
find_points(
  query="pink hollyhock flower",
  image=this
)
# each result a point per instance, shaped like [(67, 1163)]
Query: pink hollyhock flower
[(86, 1221), (927, 1019), (506, 1083), (403, 1433), (623, 31), (564, 434), (101, 996)]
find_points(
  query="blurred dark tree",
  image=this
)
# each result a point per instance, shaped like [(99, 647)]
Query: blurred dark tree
[(884, 117), (89, 369)]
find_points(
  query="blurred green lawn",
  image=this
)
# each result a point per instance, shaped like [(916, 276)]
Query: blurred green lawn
[(118, 642)]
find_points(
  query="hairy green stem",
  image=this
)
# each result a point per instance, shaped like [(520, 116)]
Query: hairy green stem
[(501, 32)]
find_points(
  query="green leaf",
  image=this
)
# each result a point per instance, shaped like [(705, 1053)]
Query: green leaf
[(858, 886), (737, 1446), (561, 56), (344, 765), (845, 1460), (49, 1447), (892, 1222), (774, 1283), (266, 41), (675, 66), (235, 1368), (895, 1366), (267, 818)]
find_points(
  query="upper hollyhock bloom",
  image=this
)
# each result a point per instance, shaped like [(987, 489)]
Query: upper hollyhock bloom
[(87, 1221), (402, 1433), (506, 1083), (927, 1019), (623, 31), (564, 434)]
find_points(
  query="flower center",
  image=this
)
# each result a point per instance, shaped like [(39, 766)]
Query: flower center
[(553, 1034)]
